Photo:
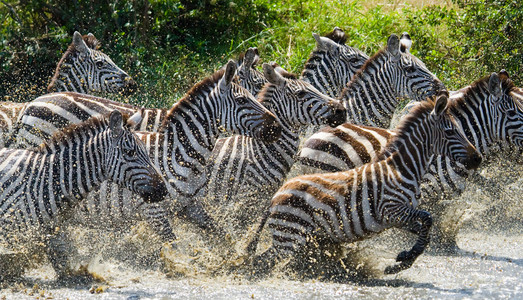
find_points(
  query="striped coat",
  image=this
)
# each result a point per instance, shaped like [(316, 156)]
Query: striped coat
[(490, 111), (40, 186), (244, 172), (342, 207)]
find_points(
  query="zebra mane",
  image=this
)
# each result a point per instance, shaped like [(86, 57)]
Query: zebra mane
[(406, 125), (64, 135), (198, 89), (479, 87), (89, 40), (337, 35), (359, 73), (265, 94)]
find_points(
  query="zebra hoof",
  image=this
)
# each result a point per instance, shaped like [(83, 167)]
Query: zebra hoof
[(398, 268), (405, 256)]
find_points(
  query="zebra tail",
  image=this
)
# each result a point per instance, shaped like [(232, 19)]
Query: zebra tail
[(253, 244)]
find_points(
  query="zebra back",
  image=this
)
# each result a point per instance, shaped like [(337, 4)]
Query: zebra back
[(331, 66), (342, 207), (85, 69)]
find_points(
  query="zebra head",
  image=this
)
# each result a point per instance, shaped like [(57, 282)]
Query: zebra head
[(506, 107), (331, 66), (85, 69), (248, 76), (128, 162), (410, 76), (297, 102), (240, 113), (449, 138)]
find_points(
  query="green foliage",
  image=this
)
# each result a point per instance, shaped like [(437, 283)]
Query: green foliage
[(168, 45)]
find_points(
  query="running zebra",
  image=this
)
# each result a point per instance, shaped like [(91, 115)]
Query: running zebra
[(393, 73), (83, 68), (180, 149), (39, 186), (489, 110), (343, 207), (333, 64), (244, 172)]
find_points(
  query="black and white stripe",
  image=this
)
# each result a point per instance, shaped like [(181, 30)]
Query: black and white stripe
[(343, 207), (490, 111), (85, 69), (180, 149), (332, 64), (93, 72), (39, 186), (248, 76), (245, 172)]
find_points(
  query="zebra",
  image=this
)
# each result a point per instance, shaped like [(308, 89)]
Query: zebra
[(83, 68), (329, 67), (391, 74), (332, 64), (336, 208), (180, 147), (248, 76), (39, 186), (242, 168), (491, 112)]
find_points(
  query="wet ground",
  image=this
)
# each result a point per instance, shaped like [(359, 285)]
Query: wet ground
[(126, 266)]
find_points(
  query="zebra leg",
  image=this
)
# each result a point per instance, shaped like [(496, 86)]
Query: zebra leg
[(196, 214), (262, 264), (158, 217), (418, 222), (59, 250)]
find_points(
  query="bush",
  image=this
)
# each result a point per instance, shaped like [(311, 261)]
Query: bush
[(169, 45)]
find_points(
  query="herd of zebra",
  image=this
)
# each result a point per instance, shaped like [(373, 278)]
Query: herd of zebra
[(71, 156)]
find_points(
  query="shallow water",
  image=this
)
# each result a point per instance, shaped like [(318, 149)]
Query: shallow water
[(127, 267)]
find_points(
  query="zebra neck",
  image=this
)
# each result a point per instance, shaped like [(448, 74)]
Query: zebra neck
[(284, 149), (412, 157), (315, 73), (369, 98), (70, 79), (79, 164), (477, 123)]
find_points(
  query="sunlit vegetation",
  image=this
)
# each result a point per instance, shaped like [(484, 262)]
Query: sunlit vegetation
[(169, 45)]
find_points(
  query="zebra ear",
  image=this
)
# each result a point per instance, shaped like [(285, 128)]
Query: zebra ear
[(503, 75), (272, 76), (494, 85), (79, 43), (441, 105), (228, 76), (116, 123), (393, 46), (405, 42), (135, 119), (324, 44), (251, 57)]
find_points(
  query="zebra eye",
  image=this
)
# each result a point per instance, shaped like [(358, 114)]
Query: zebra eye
[(301, 94), (511, 113), (410, 69), (99, 64), (241, 100)]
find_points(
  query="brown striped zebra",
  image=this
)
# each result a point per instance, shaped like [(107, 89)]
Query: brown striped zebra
[(336, 208), (490, 111), (83, 68)]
